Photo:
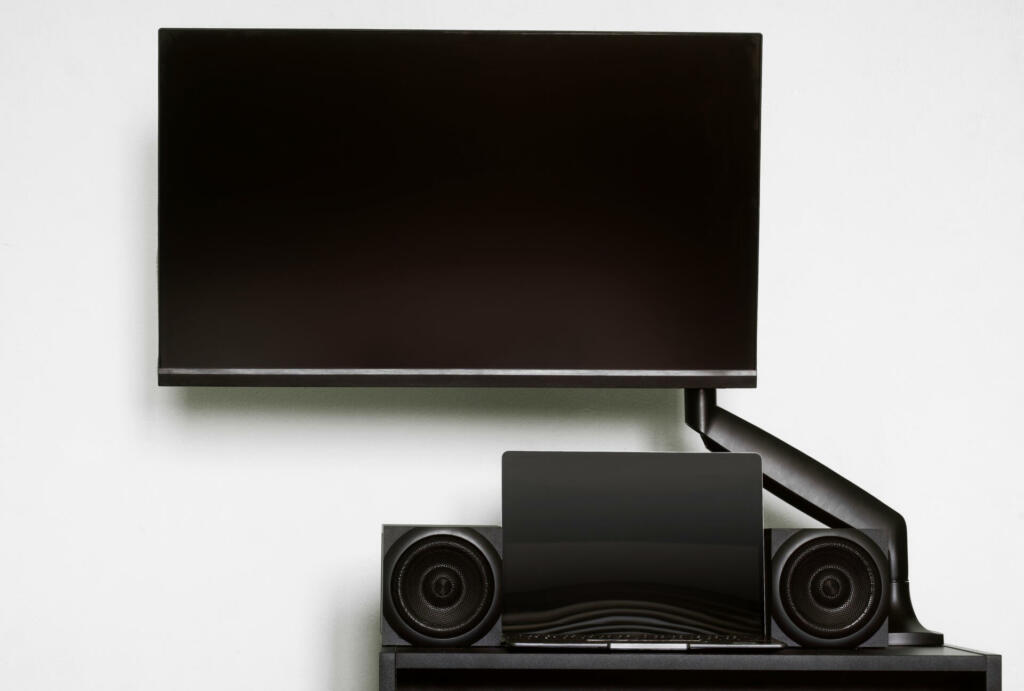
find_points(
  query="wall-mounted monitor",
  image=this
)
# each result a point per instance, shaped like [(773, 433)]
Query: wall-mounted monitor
[(357, 207)]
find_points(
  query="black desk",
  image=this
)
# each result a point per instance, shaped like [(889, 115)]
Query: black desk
[(938, 669)]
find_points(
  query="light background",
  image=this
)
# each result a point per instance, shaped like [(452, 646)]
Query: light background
[(229, 539)]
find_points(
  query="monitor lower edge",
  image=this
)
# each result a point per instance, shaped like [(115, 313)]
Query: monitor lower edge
[(200, 376)]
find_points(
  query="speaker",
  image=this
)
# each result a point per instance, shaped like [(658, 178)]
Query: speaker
[(829, 588), (441, 585)]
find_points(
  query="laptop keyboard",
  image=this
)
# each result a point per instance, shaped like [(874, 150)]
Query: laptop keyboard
[(629, 638)]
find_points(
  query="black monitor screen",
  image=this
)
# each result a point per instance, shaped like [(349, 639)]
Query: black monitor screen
[(344, 207), (655, 543)]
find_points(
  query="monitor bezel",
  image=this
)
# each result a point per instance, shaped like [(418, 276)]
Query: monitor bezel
[(702, 379)]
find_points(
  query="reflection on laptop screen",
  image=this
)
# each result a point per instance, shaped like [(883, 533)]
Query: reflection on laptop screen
[(632, 543)]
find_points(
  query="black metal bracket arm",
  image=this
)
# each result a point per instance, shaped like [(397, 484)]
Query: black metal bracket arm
[(823, 494)]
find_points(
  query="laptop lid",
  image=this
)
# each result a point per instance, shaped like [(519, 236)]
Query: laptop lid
[(632, 543)]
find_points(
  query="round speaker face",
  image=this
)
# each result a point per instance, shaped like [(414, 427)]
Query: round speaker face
[(441, 587), (830, 590)]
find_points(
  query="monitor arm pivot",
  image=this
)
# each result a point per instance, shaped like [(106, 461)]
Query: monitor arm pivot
[(823, 494)]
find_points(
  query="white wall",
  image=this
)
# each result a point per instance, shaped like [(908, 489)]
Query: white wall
[(189, 539)]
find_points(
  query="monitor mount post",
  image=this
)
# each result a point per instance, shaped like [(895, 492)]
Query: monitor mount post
[(823, 494)]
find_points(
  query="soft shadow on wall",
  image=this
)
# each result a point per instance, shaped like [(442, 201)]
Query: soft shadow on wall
[(658, 410), (369, 648)]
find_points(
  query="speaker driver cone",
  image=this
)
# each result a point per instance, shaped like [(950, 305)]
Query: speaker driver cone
[(830, 591), (441, 589)]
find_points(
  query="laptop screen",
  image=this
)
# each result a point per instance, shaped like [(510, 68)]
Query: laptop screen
[(632, 543)]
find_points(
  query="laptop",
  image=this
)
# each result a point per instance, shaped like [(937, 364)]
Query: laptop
[(633, 551)]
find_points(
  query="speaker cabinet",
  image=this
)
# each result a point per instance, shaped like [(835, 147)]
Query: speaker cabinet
[(828, 588), (440, 585)]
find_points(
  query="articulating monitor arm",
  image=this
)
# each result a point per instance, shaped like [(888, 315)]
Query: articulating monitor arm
[(806, 484)]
